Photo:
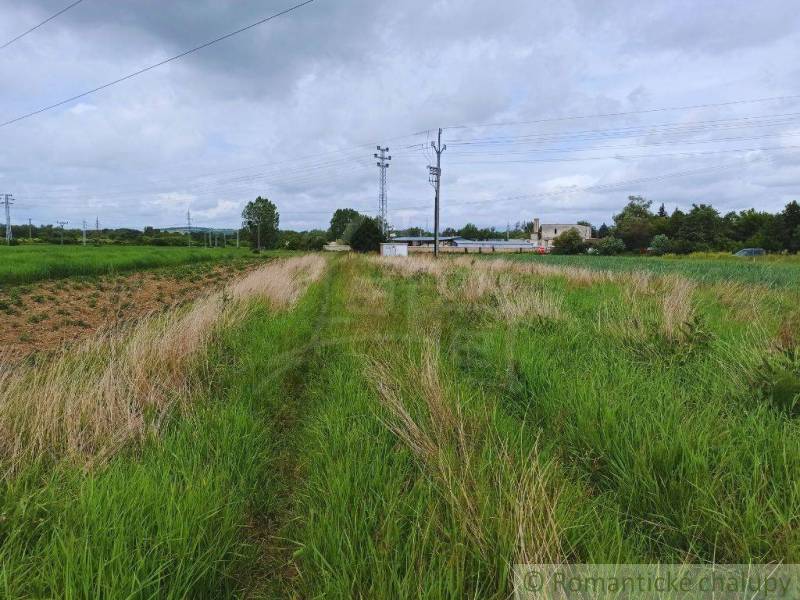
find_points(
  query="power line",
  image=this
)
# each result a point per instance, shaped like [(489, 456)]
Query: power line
[(156, 65), (275, 174), (657, 128), (596, 188), (622, 156), (630, 112), (523, 151), (314, 174), (47, 20)]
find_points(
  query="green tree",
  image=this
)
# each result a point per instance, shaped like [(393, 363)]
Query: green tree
[(675, 222), (342, 217), (744, 226), (352, 227), (634, 224), (261, 217), (609, 246), (791, 225), (367, 236), (794, 242), (291, 240), (470, 231), (771, 235), (703, 228), (314, 241), (568, 242), (660, 244)]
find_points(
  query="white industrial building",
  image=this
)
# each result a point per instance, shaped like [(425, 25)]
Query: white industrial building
[(394, 249)]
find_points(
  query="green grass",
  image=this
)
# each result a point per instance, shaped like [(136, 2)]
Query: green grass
[(169, 520), (392, 435), (768, 270), (378, 520), (26, 264), (693, 463)]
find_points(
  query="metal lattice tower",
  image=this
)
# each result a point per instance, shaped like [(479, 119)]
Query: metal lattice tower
[(8, 201), (383, 202)]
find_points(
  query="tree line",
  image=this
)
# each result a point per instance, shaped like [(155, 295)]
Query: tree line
[(53, 234), (701, 229), (636, 228)]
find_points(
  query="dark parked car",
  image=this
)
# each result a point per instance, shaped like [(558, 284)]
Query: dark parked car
[(751, 252)]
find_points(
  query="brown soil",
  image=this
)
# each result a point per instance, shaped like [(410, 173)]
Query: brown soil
[(46, 315)]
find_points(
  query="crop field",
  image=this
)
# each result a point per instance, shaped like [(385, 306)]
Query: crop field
[(781, 271), (365, 427), (43, 315), (26, 264)]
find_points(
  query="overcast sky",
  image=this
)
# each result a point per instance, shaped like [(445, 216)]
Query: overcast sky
[(294, 108)]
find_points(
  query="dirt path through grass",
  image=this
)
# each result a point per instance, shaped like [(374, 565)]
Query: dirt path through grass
[(270, 530), (372, 516)]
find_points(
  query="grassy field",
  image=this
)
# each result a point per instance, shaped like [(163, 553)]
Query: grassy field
[(26, 264), (782, 271), (356, 427)]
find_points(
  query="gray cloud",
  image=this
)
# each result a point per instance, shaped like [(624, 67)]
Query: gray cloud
[(294, 108)]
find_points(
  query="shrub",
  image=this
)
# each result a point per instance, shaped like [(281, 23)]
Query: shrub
[(609, 246), (660, 245), (681, 247), (315, 242), (569, 242), (350, 229), (367, 237), (778, 382)]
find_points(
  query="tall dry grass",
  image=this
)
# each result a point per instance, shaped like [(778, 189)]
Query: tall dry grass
[(469, 280), (650, 303), (515, 301), (282, 282), (411, 265), (85, 403), (677, 306), (427, 265), (575, 275), (504, 498)]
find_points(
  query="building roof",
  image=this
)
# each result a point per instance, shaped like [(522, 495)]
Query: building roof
[(415, 238), (507, 243), (185, 230)]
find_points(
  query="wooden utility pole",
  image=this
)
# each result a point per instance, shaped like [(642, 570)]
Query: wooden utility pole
[(61, 224), (8, 201), (436, 181)]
